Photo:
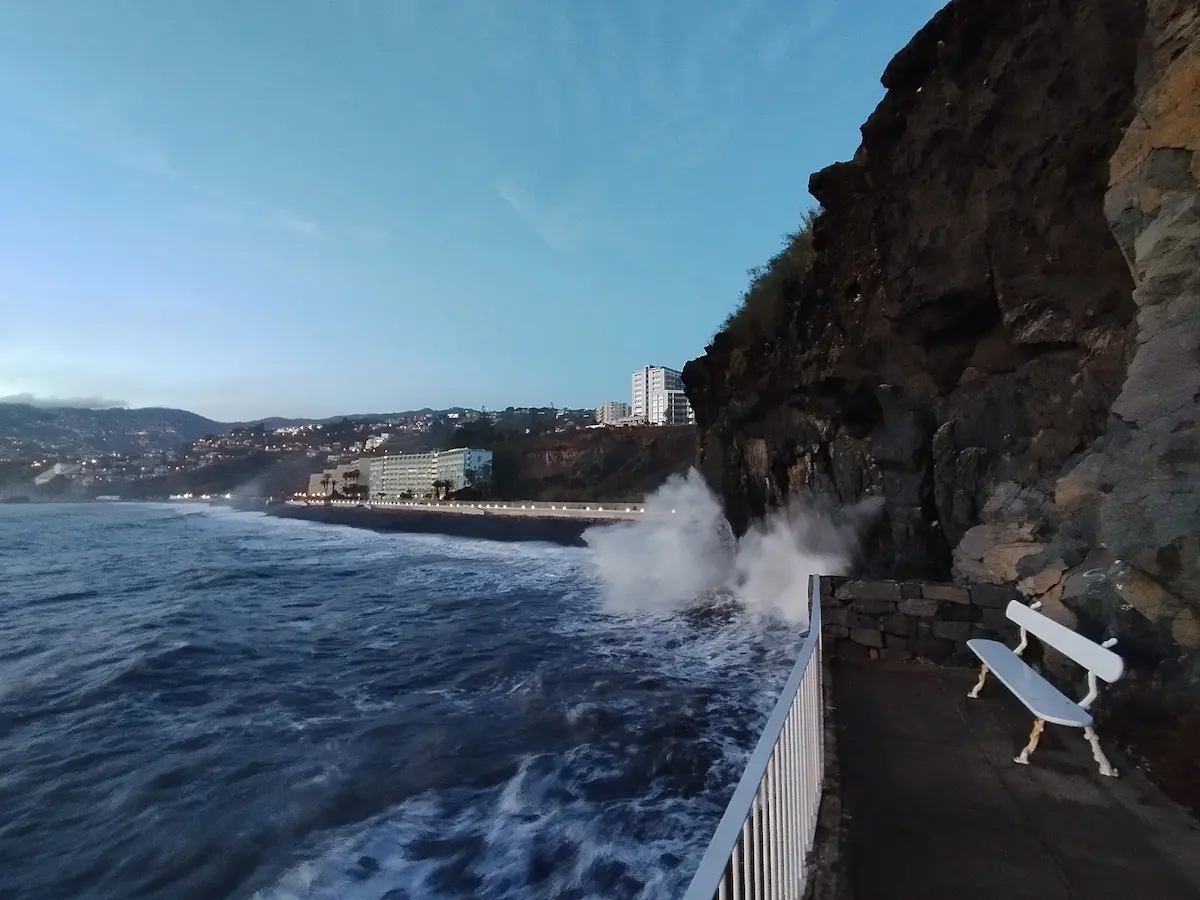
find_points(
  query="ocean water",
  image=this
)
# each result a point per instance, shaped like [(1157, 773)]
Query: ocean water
[(201, 703)]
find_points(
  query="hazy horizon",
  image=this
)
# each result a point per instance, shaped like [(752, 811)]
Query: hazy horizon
[(100, 405)]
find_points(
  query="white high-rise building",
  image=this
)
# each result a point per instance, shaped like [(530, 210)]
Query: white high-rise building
[(670, 408), (658, 397)]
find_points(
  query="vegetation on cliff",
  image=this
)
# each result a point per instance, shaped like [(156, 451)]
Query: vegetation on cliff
[(763, 306)]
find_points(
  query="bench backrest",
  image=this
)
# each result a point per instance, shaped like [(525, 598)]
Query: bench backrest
[(1088, 654)]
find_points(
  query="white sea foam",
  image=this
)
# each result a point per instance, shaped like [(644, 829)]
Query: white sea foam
[(543, 832), (682, 552), (527, 837)]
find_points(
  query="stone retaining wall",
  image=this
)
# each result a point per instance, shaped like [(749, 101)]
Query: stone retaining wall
[(893, 620)]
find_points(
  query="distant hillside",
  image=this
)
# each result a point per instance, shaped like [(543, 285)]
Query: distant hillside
[(271, 423), (27, 430)]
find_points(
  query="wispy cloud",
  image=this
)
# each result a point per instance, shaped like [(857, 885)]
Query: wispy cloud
[(105, 128), (227, 213), (369, 234), (689, 94), (294, 223), (661, 93), (776, 50), (550, 223), (820, 13)]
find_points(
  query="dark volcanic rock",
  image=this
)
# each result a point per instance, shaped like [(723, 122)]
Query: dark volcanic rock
[(968, 315), (1005, 352)]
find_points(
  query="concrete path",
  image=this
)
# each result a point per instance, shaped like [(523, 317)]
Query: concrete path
[(939, 809)]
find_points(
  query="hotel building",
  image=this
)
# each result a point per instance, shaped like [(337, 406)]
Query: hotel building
[(415, 473)]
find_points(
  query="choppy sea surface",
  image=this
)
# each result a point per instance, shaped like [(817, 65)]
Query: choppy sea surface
[(201, 703)]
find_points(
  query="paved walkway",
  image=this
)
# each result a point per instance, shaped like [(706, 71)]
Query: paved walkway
[(611, 510), (939, 809)]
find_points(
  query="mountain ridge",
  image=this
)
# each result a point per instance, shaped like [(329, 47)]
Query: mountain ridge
[(30, 430)]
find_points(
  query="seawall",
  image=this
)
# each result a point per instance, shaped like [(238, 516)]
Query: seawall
[(567, 532)]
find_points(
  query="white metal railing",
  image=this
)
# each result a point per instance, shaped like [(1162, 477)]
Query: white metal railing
[(761, 846)]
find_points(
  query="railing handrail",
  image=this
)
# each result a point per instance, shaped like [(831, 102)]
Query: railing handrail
[(729, 830)]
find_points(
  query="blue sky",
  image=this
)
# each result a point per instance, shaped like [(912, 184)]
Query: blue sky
[(323, 206)]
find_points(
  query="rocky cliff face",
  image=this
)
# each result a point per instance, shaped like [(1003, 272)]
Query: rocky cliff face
[(975, 345), (1134, 500), (598, 464)]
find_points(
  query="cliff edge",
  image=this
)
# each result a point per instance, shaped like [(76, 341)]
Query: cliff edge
[(1000, 331)]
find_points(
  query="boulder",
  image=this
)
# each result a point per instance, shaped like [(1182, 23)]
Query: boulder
[(993, 553), (1185, 629), (1044, 581)]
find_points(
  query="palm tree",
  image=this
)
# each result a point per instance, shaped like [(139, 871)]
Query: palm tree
[(325, 483)]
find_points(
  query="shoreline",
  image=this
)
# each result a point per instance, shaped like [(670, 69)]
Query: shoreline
[(511, 529)]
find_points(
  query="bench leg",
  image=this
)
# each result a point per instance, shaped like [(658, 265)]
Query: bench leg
[(1101, 760), (983, 670), (1034, 736)]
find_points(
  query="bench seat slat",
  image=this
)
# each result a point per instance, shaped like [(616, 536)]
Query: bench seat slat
[(1040, 697)]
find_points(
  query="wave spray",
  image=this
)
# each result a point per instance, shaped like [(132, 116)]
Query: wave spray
[(682, 552)]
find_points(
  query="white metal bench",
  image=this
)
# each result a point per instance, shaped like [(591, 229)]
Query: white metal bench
[(1046, 702)]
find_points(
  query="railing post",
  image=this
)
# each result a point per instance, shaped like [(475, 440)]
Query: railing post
[(735, 874), (758, 850), (795, 787), (773, 826), (747, 864)]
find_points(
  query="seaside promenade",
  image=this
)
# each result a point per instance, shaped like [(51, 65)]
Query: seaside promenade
[(557, 523), (602, 511)]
